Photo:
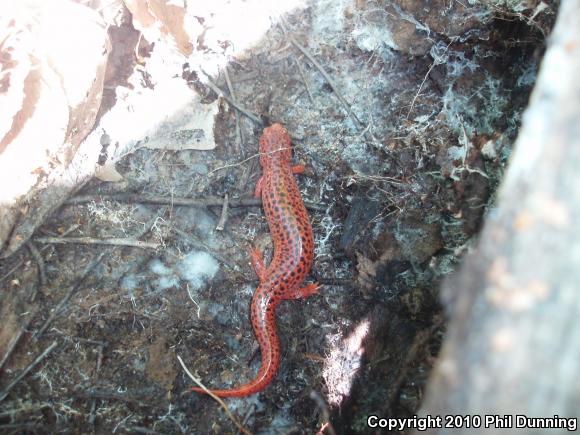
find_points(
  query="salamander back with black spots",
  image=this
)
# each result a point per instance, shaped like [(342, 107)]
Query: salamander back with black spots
[(293, 253)]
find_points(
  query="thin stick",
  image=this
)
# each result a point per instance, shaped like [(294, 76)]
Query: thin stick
[(420, 88), (140, 429), (28, 368), (390, 180), (329, 80), (338, 282), (209, 201), (248, 414), (29, 427), (114, 241), (285, 32), (81, 278), (84, 274), (325, 413), (73, 338), (221, 93), (239, 135), (13, 341), (213, 396), (437, 60), (21, 262), (39, 262), (36, 254), (306, 85), (224, 214), (231, 165), (11, 345), (106, 395), (92, 415), (419, 343), (201, 246)]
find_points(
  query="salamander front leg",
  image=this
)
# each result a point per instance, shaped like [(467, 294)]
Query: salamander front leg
[(301, 293), (298, 169)]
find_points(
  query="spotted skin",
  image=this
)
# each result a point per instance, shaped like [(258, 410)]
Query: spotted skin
[(293, 253)]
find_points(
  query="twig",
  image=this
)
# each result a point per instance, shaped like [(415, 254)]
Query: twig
[(437, 60), (208, 201), (390, 180), (339, 282), (248, 414), (73, 338), (221, 93), (92, 415), (199, 245), (21, 262), (224, 215), (328, 79), (325, 413), (306, 85), (81, 278), (300, 70), (93, 393), (13, 341), (11, 345), (140, 429), (334, 88), (420, 88), (79, 281), (216, 398), (39, 262), (122, 423), (114, 241), (239, 135), (42, 281), (420, 342), (28, 368), (193, 300), (24, 427), (140, 60), (233, 165)]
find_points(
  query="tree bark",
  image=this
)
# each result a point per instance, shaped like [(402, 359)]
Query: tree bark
[(513, 344)]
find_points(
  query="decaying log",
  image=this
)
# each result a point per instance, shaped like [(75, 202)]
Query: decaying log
[(513, 344)]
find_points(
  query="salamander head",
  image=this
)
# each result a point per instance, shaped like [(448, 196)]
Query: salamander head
[(275, 146)]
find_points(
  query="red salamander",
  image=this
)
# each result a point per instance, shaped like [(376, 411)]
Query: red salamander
[(293, 253)]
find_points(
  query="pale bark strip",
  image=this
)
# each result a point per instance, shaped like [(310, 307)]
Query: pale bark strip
[(513, 344)]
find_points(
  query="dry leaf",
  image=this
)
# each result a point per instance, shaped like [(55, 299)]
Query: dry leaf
[(50, 90), (190, 128), (108, 172), (161, 19)]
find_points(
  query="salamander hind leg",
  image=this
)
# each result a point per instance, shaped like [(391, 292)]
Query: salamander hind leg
[(258, 263), (301, 293), (258, 191)]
